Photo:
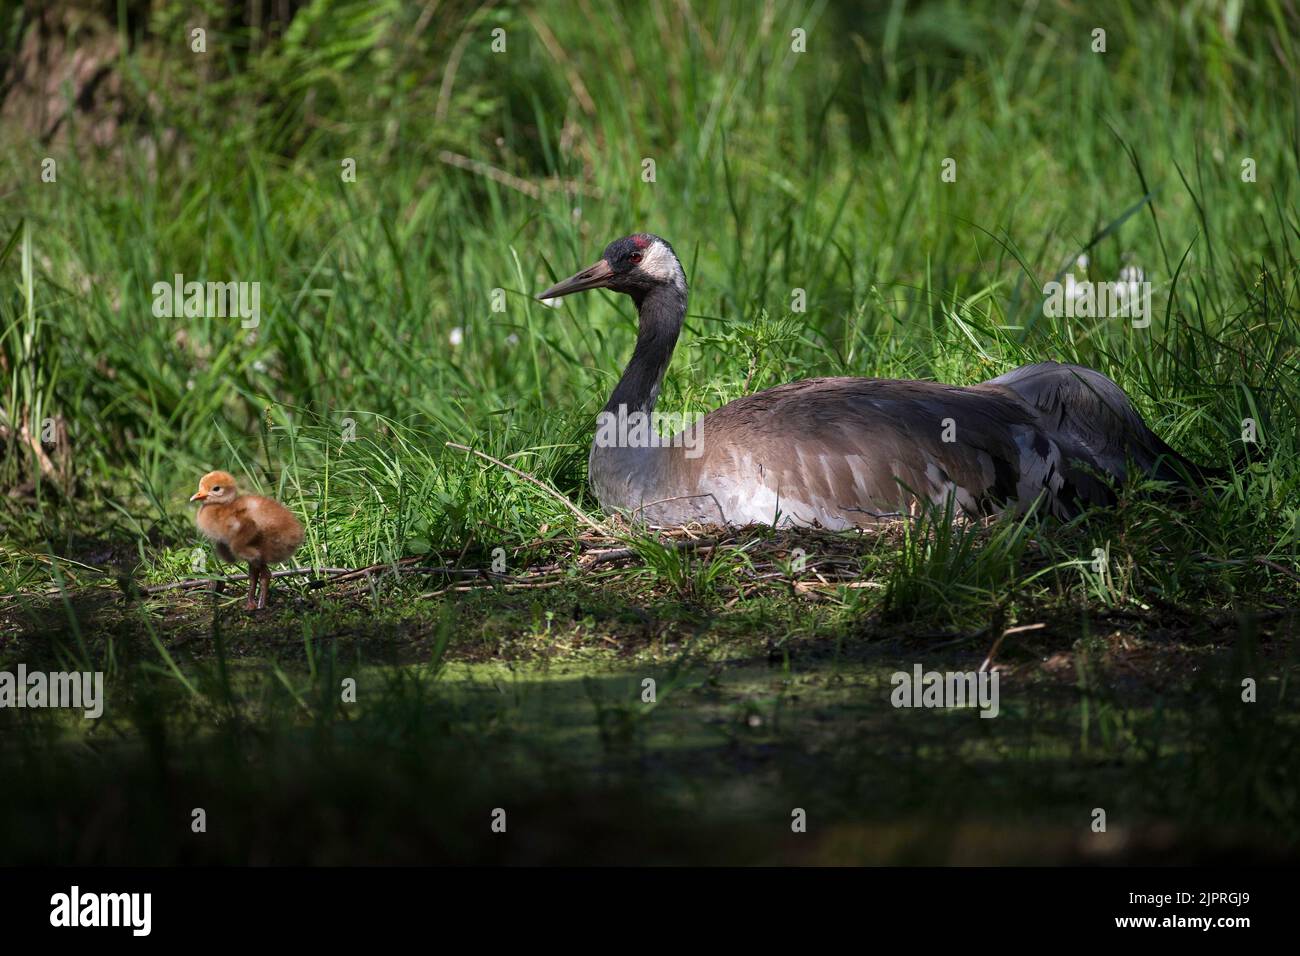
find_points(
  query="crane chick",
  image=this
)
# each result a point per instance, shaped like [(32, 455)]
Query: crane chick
[(248, 528)]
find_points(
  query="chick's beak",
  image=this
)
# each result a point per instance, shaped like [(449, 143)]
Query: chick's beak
[(199, 496), (593, 277)]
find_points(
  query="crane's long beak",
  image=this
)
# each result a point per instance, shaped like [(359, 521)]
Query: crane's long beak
[(198, 496), (593, 277)]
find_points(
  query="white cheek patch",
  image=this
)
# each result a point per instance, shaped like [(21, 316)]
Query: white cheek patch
[(659, 262)]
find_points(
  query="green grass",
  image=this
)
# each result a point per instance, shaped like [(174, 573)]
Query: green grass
[(775, 171)]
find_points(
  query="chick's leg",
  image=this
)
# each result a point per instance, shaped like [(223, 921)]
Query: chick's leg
[(266, 585), (254, 572)]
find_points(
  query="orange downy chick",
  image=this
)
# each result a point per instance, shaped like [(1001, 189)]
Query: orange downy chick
[(248, 528)]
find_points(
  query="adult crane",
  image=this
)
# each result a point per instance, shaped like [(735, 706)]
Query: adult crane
[(841, 453)]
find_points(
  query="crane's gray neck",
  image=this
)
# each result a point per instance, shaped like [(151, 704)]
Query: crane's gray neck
[(627, 468), (662, 311)]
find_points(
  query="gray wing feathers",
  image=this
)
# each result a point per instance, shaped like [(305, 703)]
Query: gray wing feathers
[(854, 451), (1093, 420)]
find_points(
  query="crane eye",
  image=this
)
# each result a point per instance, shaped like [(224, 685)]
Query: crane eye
[(634, 257), (216, 488)]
